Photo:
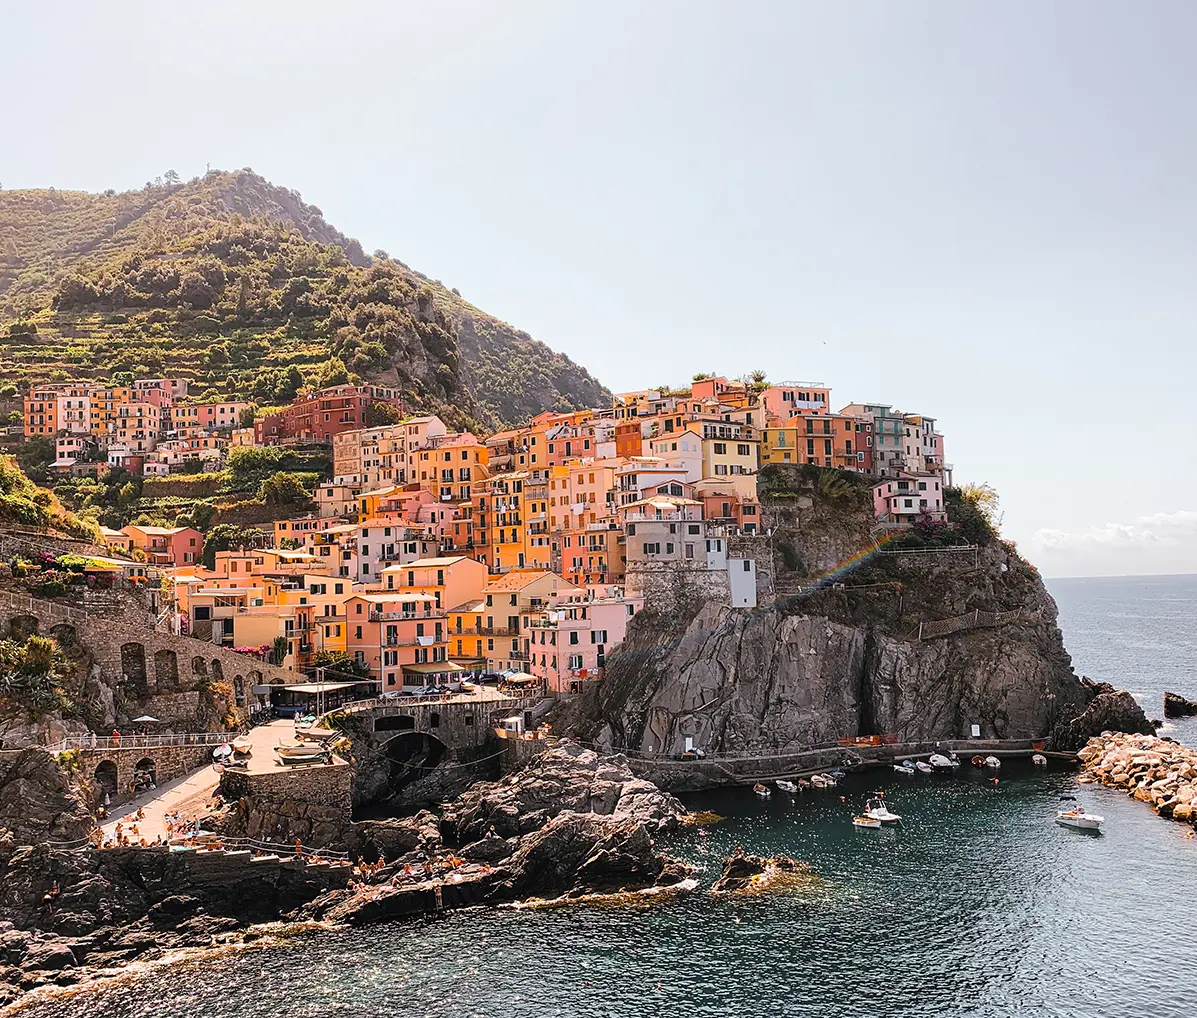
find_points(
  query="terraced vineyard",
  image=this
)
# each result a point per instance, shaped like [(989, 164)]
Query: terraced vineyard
[(243, 288)]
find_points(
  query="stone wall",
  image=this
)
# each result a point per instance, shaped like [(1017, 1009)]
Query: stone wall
[(311, 804), (29, 543), (103, 767)]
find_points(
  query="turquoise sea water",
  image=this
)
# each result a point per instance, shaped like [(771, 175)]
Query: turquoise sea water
[(977, 906)]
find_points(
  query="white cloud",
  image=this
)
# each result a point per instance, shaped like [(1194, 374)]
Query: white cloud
[(1159, 543)]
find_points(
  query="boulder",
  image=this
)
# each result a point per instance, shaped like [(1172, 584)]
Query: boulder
[(1176, 706), (745, 873), (1109, 710), (392, 838), (566, 778)]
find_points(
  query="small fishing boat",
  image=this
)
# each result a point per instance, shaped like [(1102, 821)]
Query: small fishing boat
[(923, 767), (822, 781), (1078, 818), (298, 750), (787, 786), (870, 822), (993, 763), (762, 791), (877, 810), (222, 752), (939, 762), (242, 744), (1039, 760), (978, 761), (906, 767), (804, 784)]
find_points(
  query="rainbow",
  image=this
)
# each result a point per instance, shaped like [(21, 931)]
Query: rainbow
[(854, 561)]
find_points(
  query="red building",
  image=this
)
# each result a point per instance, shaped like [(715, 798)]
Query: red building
[(316, 418)]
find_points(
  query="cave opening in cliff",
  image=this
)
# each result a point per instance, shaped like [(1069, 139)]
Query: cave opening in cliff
[(411, 756)]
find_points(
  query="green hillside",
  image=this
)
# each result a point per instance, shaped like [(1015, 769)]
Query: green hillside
[(243, 288)]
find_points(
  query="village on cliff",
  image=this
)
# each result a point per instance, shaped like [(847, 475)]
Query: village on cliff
[(436, 556)]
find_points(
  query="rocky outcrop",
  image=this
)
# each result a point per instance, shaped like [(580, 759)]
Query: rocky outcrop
[(1109, 710), (39, 800), (846, 661), (1176, 706), (567, 777), (751, 874), (1157, 771), (394, 837)]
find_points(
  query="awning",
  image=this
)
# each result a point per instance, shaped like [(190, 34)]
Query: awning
[(433, 668), (521, 679), (318, 687)]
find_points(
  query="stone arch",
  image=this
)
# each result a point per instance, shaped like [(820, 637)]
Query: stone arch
[(217, 670), (166, 670), (199, 667), (21, 627), (411, 756), (145, 775), (65, 636), (133, 666), (239, 691), (106, 778)]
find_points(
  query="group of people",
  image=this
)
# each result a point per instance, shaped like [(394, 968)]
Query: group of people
[(366, 874)]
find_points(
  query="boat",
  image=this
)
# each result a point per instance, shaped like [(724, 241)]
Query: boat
[(879, 811), (923, 767), (222, 752), (866, 822), (939, 762), (296, 751), (978, 761), (787, 786), (992, 762), (837, 775), (804, 784), (1078, 818), (822, 781), (242, 744), (762, 791), (1039, 760), (906, 767)]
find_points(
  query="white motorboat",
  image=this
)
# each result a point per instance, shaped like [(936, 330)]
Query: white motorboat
[(993, 763), (1078, 818), (905, 768), (877, 810), (242, 744), (870, 822), (762, 791), (1039, 760), (823, 781), (939, 762), (222, 752), (787, 786), (923, 767)]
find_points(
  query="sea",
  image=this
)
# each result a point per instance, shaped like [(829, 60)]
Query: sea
[(976, 905)]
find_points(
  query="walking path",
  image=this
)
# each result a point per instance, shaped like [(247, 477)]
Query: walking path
[(188, 795)]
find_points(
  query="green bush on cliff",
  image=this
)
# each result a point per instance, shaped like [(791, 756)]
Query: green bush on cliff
[(974, 510), (31, 678)]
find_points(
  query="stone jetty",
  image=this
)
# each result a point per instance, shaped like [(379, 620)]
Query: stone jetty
[(1157, 771)]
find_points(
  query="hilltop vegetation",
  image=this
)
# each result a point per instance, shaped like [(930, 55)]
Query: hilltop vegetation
[(24, 504), (244, 289)]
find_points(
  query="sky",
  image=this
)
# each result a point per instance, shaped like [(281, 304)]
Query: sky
[(980, 212)]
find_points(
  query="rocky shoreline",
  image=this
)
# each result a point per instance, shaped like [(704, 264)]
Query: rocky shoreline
[(570, 825), (1157, 771)]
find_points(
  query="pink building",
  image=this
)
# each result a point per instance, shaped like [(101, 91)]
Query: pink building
[(567, 645), (793, 399), (166, 546), (904, 498)]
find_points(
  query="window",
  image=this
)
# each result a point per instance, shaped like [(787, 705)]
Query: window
[(652, 548), (743, 450), (357, 631), (720, 448), (573, 638), (747, 565)]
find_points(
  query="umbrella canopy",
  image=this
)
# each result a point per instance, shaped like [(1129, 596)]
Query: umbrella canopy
[(144, 719)]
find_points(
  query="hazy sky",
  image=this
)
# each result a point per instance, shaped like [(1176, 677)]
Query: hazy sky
[(982, 212)]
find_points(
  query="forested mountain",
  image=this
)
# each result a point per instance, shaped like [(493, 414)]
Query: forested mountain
[(244, 288)]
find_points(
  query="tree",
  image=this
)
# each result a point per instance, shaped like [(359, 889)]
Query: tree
[(341, 665), (380, 253), (122, 379), (171, 177), (224, 536), (282, 488), (378, 414), (974, 508)]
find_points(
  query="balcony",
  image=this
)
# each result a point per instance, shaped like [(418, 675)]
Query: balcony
[(485, 631), (602, 526), (674, 517), (402, 616)]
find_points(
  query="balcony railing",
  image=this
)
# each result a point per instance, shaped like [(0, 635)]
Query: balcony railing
[(485, 631), (402, 616)]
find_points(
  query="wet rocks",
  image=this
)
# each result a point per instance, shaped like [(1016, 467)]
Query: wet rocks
[(1156, 771), (1176, 706), (1108, 710), (750, 874), (565, 778)]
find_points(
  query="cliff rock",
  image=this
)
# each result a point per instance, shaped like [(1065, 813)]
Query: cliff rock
[(38, 799), (1176, 706)]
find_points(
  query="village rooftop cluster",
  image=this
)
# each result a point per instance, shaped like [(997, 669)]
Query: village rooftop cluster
[(439, 554)]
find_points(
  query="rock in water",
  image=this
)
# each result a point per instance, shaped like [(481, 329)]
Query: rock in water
[(1176, 706), (753, 873), (1110, 710)]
